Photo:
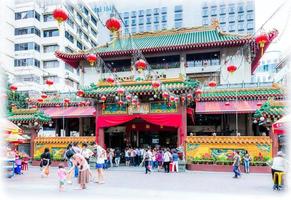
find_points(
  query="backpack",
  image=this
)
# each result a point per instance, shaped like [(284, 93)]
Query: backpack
[(69, 153)]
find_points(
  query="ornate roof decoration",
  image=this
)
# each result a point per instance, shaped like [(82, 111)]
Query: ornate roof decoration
[(272, 110), (168, 41), (176, 86), (259, 93), (28, 115), (64, 140), (229, 140)]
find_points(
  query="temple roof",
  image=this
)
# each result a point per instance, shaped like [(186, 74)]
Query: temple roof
[(272, 110), (176, 86), (258, 93), (28, 115), (168, 41)]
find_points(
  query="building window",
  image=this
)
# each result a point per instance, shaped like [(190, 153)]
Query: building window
[(126, 22), (141, 28), (93, 44), (27, 30), (178, 16), (69, 37), (231, 9), (179, 8), (26, 62), (250, 6), (156, 19), (148, 21), (250, 26), (68, 50), (164, 26), (50, 48), (231, 27), (27, 14), (126, 15), (86, 37), (156, 27), (148, 28), (240, 27), (231, 18), (156, 11), (240, 8), (141, 13), (27, 46), (79, 45), (250, 16), (164, 10), (133, 14), (79, 17), (86, 24), (133, 22), (148, 12), (51, 33), (94, 33), (70, 22), (48, 18), (178, 24), (213, 11), (85, 11), (205, 21), (203, 59), (50, 64), (93, 20), (28, 78), (141, 20), (222, 10), (240, 17), (205, 13), (222, 19), (164, 18)]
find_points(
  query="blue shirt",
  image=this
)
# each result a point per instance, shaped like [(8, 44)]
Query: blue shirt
[(175, 157)]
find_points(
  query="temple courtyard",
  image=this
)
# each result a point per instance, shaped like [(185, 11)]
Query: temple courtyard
[(132, 183)]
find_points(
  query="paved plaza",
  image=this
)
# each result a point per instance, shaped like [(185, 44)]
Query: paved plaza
[(130, 183)]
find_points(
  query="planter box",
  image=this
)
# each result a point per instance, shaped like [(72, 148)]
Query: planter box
[(225, 168)]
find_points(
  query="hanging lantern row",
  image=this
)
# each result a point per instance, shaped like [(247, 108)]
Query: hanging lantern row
[(120, 91), (140, 65), (113, 24), (80, 93), (40, 100), (49, 82), (60, 15), (91, 58), (155, 85), (110, 80), (165, 95), (231, 69), (128, 97), (261, 40), (67, 101)]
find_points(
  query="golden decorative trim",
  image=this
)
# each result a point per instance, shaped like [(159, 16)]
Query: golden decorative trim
[(277, 103), (130, 82), (229, 140), (64, 140), (24, 111)]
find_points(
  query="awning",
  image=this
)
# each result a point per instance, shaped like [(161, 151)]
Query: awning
[(222, 107), (70, 112)]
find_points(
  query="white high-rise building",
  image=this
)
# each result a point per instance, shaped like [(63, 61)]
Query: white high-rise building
[(153, 15), (37, 36)]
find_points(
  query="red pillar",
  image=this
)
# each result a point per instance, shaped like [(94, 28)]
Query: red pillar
[(275, 143), (32, 137), (182, 130)]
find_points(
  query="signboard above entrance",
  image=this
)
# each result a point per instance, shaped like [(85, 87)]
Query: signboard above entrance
[(144, 108)]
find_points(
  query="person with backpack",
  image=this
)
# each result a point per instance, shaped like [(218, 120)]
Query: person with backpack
[(68, 154), (167, 160), (146, 160)]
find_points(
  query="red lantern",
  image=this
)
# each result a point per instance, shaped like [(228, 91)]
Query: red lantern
[(261, 40), (259, 104), (120, 91), (49, 82), (110, 80), (176, 100), (60, 15), (39, 100), (133, 101), (103, 98), (113, 24), (80, 93), (13, 88), (43, 95), (66, 101), (227, 103), (212, 84), (57, 105), (165, 95), (155, 85), (128, 97), (34, 106), (120, 103), (198, 92), (140, 65), (183, 99), (231, 68), (91, 58), (172, 98), (189, 96)]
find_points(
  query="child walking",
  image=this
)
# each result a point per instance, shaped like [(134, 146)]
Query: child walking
[(62, 177)]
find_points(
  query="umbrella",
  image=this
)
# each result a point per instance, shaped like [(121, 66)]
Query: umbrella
[(10, 127)]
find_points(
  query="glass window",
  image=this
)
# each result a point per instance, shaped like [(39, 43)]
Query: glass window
[(222, 19), (93, 44), (79, 17), (164, 10), (149, 28), (50, 48), (250, 26), (156, 19), (141, 13), (86, 37), (179, 8), (141, 28), (86, 24), (24, 62), (164, 18), (133, 29), (133, 22), (205, 21), (126, 15), (85, 11), (27, 14), (149, 12), (240, 17), (178, 24), (48, 18), (156, 27), (70, 22), (250, 16), (164, 26), (51, 33), (149, 20), (156, 11), (203, 59), (94, 33), (231, 27), (68, 50), (240, 8), (141, 21), (231, 8), (126, 22), (93, 20), (133, 14), (250, 5), (79, 45), (222, 10), (231, 18), (213, 11), (50, 64), (205, 12), (240, 26), (27, 46), (178, 16), (27, 30), (69, 37)]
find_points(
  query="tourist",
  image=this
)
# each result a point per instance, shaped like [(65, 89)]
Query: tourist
[(136, 157), (127, 158), (110, 156), (68, 154), (132, 157), (86, 152), (117, 157), (279, 165), (236, 164), (62, 177), (100, 159), (76, 149), (167, 159), (154, 161), (83, 167), (247, 160), (146, 160), (45, 162), (159, 158), (139, 158), (175, 161)]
